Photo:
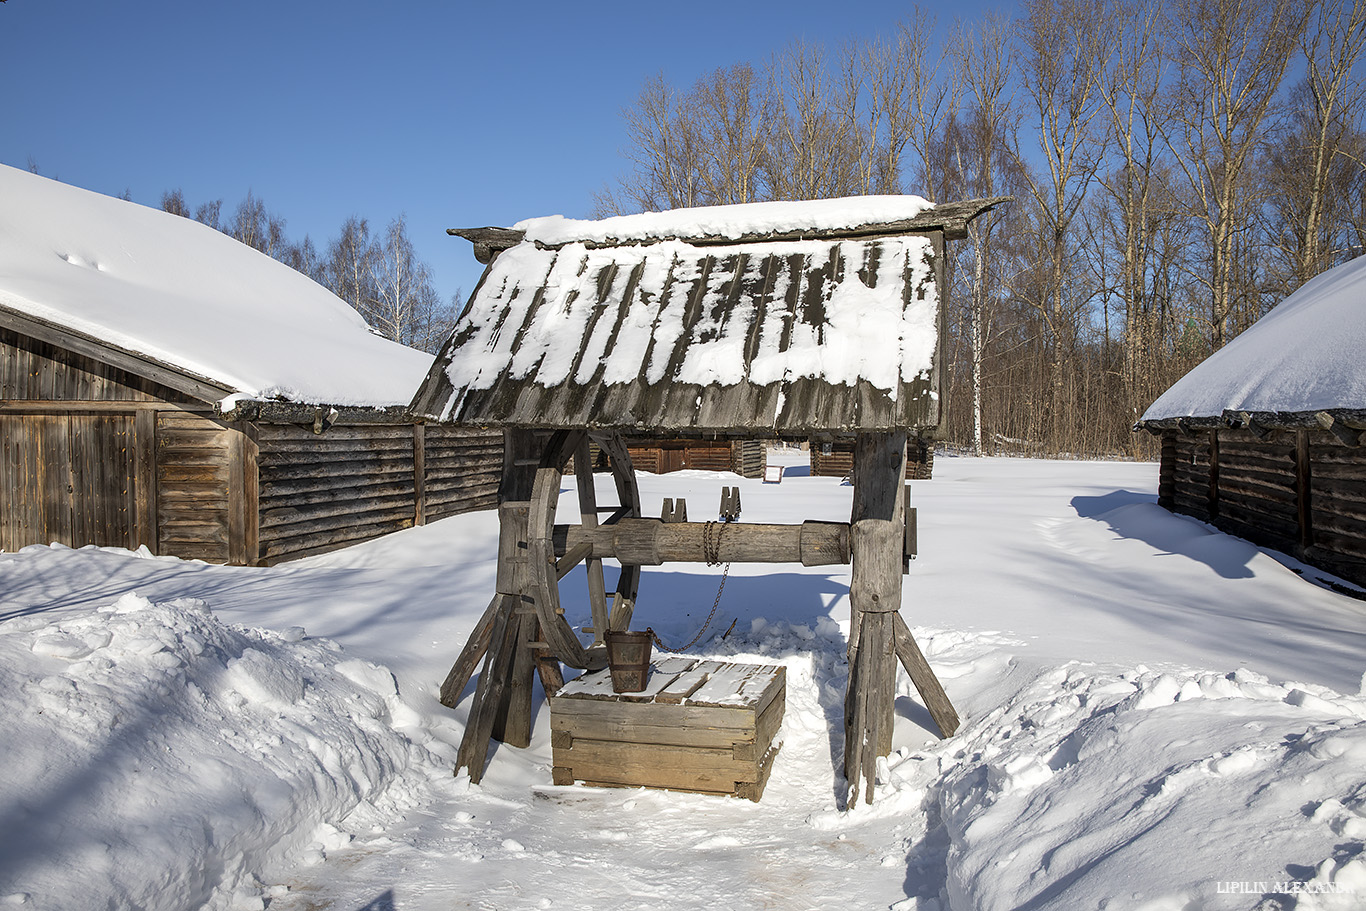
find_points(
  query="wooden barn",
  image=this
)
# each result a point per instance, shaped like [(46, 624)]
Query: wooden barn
[(1264, 438), (775, 321), (162, 385)]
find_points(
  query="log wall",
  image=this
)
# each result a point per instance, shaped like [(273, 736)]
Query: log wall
[(1301, 491), (91, 454), (1337, 507), (319, 492)]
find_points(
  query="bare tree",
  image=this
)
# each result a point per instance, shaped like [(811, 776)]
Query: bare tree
[(1231, 56), (908, 102), (1130, 89), (209, 214), (347, 269), (1064, 46), (974, 158), (727, 111), (666, 155), (1321, 153), (174, 203)]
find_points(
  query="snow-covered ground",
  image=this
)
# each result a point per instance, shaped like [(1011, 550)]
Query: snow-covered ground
[(1156, 716)]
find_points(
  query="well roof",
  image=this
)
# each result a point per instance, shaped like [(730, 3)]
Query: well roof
[(826, 319)]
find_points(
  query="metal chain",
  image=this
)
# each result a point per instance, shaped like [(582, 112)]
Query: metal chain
[(711, 550)]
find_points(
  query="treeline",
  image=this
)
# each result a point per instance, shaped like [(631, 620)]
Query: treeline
[(1176, 169), (377, 273)]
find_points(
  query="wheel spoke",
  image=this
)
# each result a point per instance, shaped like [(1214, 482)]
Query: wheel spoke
[(588, 515)]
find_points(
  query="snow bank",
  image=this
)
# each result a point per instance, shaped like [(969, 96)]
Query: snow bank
[(728, 221), (189, 296), (157, 758), (1076, 792), (1305, 355)]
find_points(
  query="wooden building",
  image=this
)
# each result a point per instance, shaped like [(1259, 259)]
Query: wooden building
[(776, 321), (1264, 438), (142, 399), (746, 458), (836, 460)]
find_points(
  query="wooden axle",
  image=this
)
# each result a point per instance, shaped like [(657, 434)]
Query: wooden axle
[(650, 542)]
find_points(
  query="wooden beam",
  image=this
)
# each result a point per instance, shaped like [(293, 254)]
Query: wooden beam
[(419, 474), (926, 683), (488, 697), (588, 517), (142, 365), (470, 655), (577, 554), (45, 406), (146, 521), (651, 542)]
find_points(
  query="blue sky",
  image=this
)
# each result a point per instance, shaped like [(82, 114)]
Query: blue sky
[(454, 113)]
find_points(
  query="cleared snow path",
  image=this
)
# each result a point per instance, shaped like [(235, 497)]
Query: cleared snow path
[(1156, 716)]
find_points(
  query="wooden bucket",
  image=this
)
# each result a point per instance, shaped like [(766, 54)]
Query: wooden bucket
[(628, 658)]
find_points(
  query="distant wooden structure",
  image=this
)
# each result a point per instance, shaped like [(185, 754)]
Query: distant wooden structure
[(661, 456), (107, 446), (836, 460), (572, 343)]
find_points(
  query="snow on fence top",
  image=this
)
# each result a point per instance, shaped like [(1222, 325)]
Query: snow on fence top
[(1303, 356), (178, 292), (756, 319)]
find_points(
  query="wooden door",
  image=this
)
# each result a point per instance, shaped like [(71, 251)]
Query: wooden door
[(67, 478)]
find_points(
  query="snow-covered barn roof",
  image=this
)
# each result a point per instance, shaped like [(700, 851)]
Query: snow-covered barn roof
[(1303, 357), (167, 292), (759, 319)]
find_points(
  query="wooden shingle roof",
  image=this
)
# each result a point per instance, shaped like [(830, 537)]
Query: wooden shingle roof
[(802, 331)]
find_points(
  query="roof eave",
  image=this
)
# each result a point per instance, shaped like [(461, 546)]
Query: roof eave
[(177, 378), (952, 219)]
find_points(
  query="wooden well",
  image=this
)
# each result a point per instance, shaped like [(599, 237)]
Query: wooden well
[(572, 346), (709, 727)]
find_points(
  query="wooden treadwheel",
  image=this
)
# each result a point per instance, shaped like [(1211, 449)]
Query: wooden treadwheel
[(546, 572)]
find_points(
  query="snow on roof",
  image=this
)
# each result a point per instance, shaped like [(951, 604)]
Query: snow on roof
[(759, 337), (736, 221), (175, 290), (1305, 355)]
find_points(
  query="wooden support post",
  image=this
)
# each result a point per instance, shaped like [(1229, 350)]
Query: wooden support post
[(1304, 504), (547, 666), (1213, 492), (588, 518), (512, 725), (926, 683), (470, 655), (147, 519), (877, 537), (488, 697), (419, 474)]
